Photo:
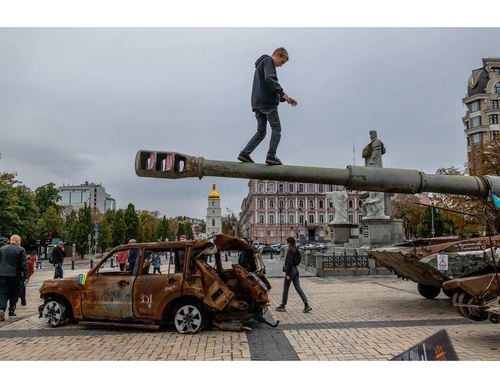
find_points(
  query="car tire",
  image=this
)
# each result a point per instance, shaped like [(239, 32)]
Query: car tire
[(54, 313), (188, 319)]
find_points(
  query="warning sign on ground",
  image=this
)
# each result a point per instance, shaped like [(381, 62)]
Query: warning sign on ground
[(437, 347), (442, 261)]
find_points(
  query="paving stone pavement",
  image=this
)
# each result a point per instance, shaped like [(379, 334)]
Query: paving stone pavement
[(354, 318)]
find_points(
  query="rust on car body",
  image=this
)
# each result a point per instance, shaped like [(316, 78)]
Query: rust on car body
[(192, 292)]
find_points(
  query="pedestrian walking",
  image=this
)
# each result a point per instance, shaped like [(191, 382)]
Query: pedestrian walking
[(132, 257), (122, 259), (292, 260), (30, 261), (13, 267), (38, 260), (58, 254), (267, 93), (156, 264)]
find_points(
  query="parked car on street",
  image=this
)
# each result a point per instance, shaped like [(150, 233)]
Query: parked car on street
[(266, 249), (194, 291)]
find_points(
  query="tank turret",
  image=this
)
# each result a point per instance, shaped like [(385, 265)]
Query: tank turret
[(172, 165)]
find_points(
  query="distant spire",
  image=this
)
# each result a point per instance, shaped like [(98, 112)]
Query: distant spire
[(214, 194)]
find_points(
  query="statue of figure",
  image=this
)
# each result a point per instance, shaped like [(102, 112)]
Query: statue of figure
[(374, 205), (373, 152), (338, 199)]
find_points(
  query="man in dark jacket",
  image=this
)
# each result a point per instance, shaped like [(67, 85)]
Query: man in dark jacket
[(267, 93), (58, 255), (13, 268)]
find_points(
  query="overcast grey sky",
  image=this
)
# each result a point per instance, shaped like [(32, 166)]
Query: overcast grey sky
[(78, 103)]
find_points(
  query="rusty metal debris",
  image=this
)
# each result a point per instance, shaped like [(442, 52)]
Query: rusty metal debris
[(197, 289)]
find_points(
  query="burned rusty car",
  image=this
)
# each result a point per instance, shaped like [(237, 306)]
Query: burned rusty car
[(197, 289), (432, 262)]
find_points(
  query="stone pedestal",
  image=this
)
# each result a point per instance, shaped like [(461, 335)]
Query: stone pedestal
[(381, 231), (340, 232)]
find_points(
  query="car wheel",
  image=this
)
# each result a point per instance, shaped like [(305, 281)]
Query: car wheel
[(188, 319), (54, 313)]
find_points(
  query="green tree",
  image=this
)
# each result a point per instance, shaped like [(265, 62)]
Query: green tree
[(405, 207), (131, 223), (430, 218), (28, 215), (50, 222), (9, 216), (85, 226), (47, 196), (118, 231), (163, 230)]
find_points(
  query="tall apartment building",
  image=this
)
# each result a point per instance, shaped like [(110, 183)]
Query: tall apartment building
[(275, 210), (94, 195), (481, 118)]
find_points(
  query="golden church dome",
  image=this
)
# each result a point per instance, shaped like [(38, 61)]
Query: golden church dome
[(214, 194)]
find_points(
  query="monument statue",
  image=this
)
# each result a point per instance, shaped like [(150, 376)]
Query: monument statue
[(338, 199), (372, 153)]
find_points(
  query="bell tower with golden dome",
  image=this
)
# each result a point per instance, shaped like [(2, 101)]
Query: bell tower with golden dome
[(214, 213)]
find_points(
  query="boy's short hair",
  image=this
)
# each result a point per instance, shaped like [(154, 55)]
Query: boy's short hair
[(281, 52)]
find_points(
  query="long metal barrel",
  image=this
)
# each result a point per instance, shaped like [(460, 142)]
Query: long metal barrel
[(173, 165)]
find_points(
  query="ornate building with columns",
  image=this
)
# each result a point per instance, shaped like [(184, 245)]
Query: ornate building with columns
[(275, 210)]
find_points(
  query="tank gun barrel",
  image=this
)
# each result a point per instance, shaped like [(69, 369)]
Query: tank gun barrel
[(173, 165)]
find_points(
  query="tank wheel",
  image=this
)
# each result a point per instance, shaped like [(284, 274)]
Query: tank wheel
[(429, 292), (448, 293), (472, 313), (188, 319), (54, 313)]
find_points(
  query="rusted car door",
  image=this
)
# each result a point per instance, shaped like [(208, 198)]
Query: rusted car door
[(108, 295)]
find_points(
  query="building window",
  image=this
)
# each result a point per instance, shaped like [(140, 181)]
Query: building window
[(301, 218), (290, 187), (330, 218), (360, 204), (271, 219), (261, 204), (496, 88), (321, 218), (261, 233), (475, 106), (311, 218), (301, 187), (493, 119), (290, 204), (271, 187), (493, 135), (310, 188), (261, 188), (281, 187), (271, 203), (496, 70), (311, 204), (261, 218), (321, 204), (291, 219), (477, 138), (301, 204), (321, 188), (349, 203), (475, 121), (271, 233), (351, 218), (281, 204), (494, 104)]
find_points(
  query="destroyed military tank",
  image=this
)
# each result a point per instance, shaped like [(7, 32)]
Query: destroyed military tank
[(418, 261)]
